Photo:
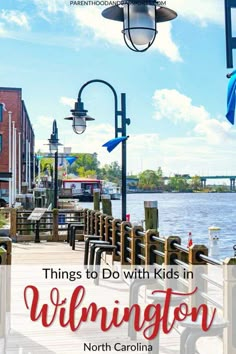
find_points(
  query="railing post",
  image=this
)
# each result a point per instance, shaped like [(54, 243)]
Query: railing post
[(3, 257), (85, 211), (13, 229), (171, 253), (150, 244), (135, 249), (55, 237), (125, 243), (92, 222), (108, 231), (229, 339), (6, 243), (198, 267), (89, 230), (116, 239), (97, 223), (102, 226)]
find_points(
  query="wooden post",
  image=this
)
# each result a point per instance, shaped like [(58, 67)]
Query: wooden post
[(150, 245), (229, 339), (85, 218), (96, 199), (151, 215), (6, 243), (102, 226), (13, 229), (198, 267), (97, 223), (3, 256), (108, 229), (106, 204), (55, 237), (135, 249), (92, 222), (88, 222), (171, 252), (125, 243), (116, 239)]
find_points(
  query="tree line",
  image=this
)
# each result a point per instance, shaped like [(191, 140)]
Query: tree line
[(88, 166)]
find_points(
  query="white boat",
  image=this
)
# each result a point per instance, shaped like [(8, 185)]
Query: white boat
[(112, 189)]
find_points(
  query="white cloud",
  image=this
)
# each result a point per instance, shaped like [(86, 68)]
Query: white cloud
[(15, 17), (66, 101), (43, 123), (201, 12), (175, 106), (165, 44), (214, 131), (89, 18), (51, 6)]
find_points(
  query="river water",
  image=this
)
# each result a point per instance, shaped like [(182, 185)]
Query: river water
[(181, 213)]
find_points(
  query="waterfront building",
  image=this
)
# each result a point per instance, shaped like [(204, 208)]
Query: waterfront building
[(16, 144)]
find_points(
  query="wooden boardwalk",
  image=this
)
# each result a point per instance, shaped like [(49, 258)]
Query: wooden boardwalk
[(26, 338)]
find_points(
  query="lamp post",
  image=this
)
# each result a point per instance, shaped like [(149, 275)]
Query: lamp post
[(139, 21), (80, 112), (53, 148)]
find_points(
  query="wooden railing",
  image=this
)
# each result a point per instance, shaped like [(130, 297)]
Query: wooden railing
[(52, 227)]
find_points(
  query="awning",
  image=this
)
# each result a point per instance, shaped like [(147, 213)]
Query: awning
[(5, 176)]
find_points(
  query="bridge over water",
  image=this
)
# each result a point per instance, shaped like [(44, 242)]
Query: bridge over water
[(205, 178)]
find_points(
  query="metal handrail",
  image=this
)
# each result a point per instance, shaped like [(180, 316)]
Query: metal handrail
[(210, 260), (181, 264), (180, 247), (158, 239), (140, 233), (158, 253), (141, 257), (142, 245)]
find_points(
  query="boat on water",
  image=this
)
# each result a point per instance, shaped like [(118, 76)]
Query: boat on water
[(80, 188), (111, 189)]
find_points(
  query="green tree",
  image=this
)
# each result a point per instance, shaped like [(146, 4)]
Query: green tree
[(178, 183), (88, 161), (111, 173), (195, 183), (86, 173), (150, 179)]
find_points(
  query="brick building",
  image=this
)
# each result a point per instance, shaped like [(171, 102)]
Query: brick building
[(16, 144)]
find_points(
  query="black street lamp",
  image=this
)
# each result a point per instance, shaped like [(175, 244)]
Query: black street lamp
[(53, 148), (139, 19), (80, 112)]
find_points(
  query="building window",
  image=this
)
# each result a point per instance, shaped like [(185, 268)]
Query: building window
[(0, 142), (1, 111)]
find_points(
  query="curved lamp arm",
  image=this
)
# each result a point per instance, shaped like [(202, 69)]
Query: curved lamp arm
[(114, 93)]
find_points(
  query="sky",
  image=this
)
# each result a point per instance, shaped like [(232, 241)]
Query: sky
[(175, 91)]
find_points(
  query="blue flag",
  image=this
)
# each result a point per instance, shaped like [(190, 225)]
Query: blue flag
[(231, 99), (71, 159), (111, 144)]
